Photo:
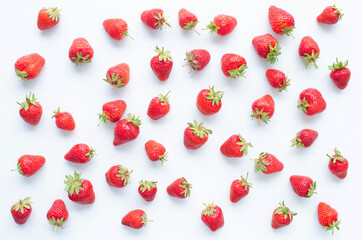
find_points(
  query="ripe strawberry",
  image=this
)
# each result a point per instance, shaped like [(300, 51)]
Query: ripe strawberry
[(340, 74), (195, 135), (311, 101), (64, 120), (338, 165), (118, 76), (29, 66), (80, 153), (126, 130), (162, 64), (282, 216), (21, 211), (209, 101), (156, 151), (277, 79), (222, 24), (30, 110), (158, 107), (239, 189), (116, 28), (154, 18), (304, 138), (235, 146), (135, 219), (328, 217), (57, 215), (233, 65), (303, 186), (263, 108), (281, 21), (213, 217), (147, 190), (112, 111), (197, 59), (309, 51), (48, 18), (80, 51), (28, 165), (187, 20), (330, 15), (268, 163), (118, 176), (79, 190), (180, 188), (267, 47)]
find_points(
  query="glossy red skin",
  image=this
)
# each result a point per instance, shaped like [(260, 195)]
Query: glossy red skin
[(124, 132), (307, 45), (230, 149), (205, 105), (231, 61), (123, 72), (274, 166), (307, 136), (226, 23), (115, 28), (341, 77), (162, 69), (44, 21), (30, 164), (21, 218), (214, 221), (65, 121), (80, 45), (339, 169), (114, 110), (300, 184), (326, 214), (33, 114), (202, 56), (157, 109), (112, 179), (185, 16), (328, 16), (85, 196), (265, 102), (148, 17), (148, 195), (58, 211), (314, 99), (261, 44), (280, 19), (192, 141), (238, 191), (275, 78), (77, 153), (279, 220), (133, 219), (175, 189), (31, 63), (154, 150)]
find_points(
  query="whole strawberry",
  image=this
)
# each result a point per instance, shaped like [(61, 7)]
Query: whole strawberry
[(213, 217), (233, 65), (239, 189), (222, 24), (126, 130), (112, 111), (328, 217), (118, 76), (330, 15), (340, 74), (28, 165), (303, 186), (118, 176), (154, 19), (159, 107), (277, 79), (311, 101), (30, 110), (80, 51), (197, 59), (338, 165), (79, 190), (21, 211), (209, 101), (135, 219), (147, 190), (162, 64), (304, 138), (281, 21), (180, 188), (282, 216), (267, 47), (58, 214), (64, 120), (48, 18), (195, 135), (187, 20), (235, 146), (156, 151), (309, 51), (29, 66), (80, 153), (116, 28), (268, 163), (263, 108)]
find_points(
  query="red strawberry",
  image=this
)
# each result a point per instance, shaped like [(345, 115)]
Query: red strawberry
[(80, 51), (305, 138), (64, 120), (118, 76), (154, 18), (213, 217), (197, 59), (338, 165), (282, 216), (112, 111), (195, 135), (28, 165), (48, 18), (233, 65), (118, 176), (330, 15), (277, 79), (187, 20), (268, 163), (21, 211), (263, 108), (267, 47), (158, 107), (156, 151), (209, 101), (79, 190), (126, 130), (328, 217), (303, 186), (235, 146), (30, 110), (239, 189), (57, 215), (147, 190), (311, 101), (135, 219), (162, 64), (180, 188), (281, 21), (222, 24), (29, 66), (116, 28), (340, 74), (80, 153), (309, 51)]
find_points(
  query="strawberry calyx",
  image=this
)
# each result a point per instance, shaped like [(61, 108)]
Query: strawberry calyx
[(74, 183), (185, 185), (18, 168), (191, 25), (286, 211), (133, 119), (21, 74), (164, 98), (239, 72), (54, 13), (311, 190), (274, 52), (260, 163), (212, 27), (297, 142), (28, 100), (338, 65), (80, 59), (147, 185), (288, 31), (311, 59), (104, 118), (163, 158), (55, 113), (260, 115), (163, 55), (284, 85), (215, 96), (91, 153), (244, 182), (338, 11), (145, 221), (209, 210), (199, 130), (115, 80), (244, 145), (125, 34), (191, 61), (332, 226), (124, 174), (57, 222), (303, 104), (25, 203), (336, 157), (161, 21)]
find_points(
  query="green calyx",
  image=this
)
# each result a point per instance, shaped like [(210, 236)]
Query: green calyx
[(212, 27), (284, 85), (239, 72), (54, 13), (21, 74), (124, 174), (73, 183), (161, 21), (260, 115), (163, 55), (199, 130), (311, 190), (104, 118), (260, 163), (28, 100), (163, 158), (185, 185), (145, 221), (332, 226), (125, 34), (91, 153), (133, 119), (336, 157), (303, 104), (18, 168), (215, 96), (274, 52), (209, 210), (164, 98), (25, 203), (191, 25), (56, 223), (55, 113), (338, 65), (191, 61), (115, 80), (288, 31), (297, 142), (244, 145), (311, 59), (244, 182), (147, 185), (80, 59), (338, 11), (286, 211)]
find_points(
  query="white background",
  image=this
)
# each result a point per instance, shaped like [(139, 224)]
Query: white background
[(82, 92)]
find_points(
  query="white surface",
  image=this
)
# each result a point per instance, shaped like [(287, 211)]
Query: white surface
[(82, 92)]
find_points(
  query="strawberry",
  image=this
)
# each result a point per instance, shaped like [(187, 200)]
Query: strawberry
[(187, 20), (239, 189), (28, 165), (126, 130), (154, 19), (235, 146), (281, 21), (80, 153), (179, 188), (112, 111), (30, 110), (328, 217), (304, 138), (340, 74), (197, 59), (267, 47), (303, 186), (268, 163), (29, 66), (118, 76), (311, 101), (222, 24), (233, 65), (277, 79), (338, 165), (48, 18), (195, 135), (282, 216), (116, 28), (213, 217), (58, 214), (309, 51), (156, 151), (80, 51), (135, 219), (263, 108), (79, 190), (209, 101), (118, 176), (158, 107), (64, 120), (162, 64), (147, 190), (21, 211), (330, 15)]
